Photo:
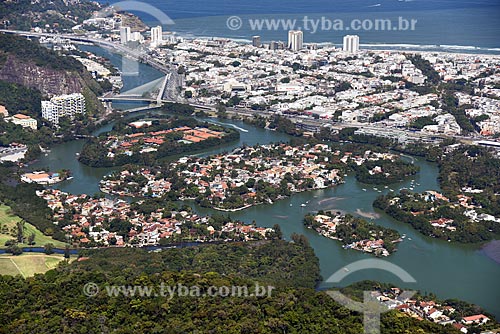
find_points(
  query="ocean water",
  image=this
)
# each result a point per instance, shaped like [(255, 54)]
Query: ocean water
[(460, 25)]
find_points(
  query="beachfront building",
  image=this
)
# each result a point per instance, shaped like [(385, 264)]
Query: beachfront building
[(125, 35), (256, 41), (351, 43), (295, 40), (156, 36), (63, 105)]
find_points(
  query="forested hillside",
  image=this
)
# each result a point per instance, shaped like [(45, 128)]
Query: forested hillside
[(55, 302)]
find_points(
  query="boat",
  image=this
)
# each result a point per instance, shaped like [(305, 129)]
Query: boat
[(375, 188), (303, 205), (291, 204), (77, 154), (364, 189), (70, 178), (386, 187), (409, 239), (346, 269)]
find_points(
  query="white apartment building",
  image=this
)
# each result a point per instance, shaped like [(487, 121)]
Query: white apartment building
[(156, 36), (125, 35), (351, 43), (63, 105), (295, 40), (136, 37)]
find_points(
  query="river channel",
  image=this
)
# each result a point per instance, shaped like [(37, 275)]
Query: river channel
[(446, 269)]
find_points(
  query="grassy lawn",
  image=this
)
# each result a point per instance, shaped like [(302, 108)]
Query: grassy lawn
[(7, 267), (9, 220), (28, 265)]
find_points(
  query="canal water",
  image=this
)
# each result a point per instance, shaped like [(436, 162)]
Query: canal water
[(446, 269)]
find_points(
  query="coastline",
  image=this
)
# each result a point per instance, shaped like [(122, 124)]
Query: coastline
[(465, 50)]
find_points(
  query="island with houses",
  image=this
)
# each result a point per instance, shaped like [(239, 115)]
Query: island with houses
[(245, 177), (147, 140), (354, 232)]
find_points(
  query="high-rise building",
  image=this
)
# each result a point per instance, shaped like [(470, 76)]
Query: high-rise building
[(156, 36), (63, 105), (256, 41), (295, 40), (136, 37), (351, 43), (124, 35)]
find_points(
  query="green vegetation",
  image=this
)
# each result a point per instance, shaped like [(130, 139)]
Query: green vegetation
[(56, 303), (475, 167), (426, 67), (58, 14), (353, 230), (391, 171), (28, 265), (19, 98), (9, 231), (96, 151), (419, 211), (24, 203), (421, 122), (27, 50)]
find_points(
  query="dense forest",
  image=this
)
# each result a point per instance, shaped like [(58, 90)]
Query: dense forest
[(27, 14), (392, 171), (55, 302), (475, 167)]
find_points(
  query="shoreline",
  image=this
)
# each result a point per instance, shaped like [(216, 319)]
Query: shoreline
[(492, 250), (385, 47)]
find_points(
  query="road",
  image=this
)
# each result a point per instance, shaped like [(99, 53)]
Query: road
[(172, 95)]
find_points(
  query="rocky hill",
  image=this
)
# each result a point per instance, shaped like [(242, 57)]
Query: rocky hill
[(26, 63)]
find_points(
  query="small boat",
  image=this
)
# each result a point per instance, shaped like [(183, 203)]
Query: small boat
[(409, 239), (77, 154), (364, 189), (291, 204), (379, 191), (403, 236), (70, 178), (346, 269), (375, 188), (386, 187), (391, 189), (303, 205)]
